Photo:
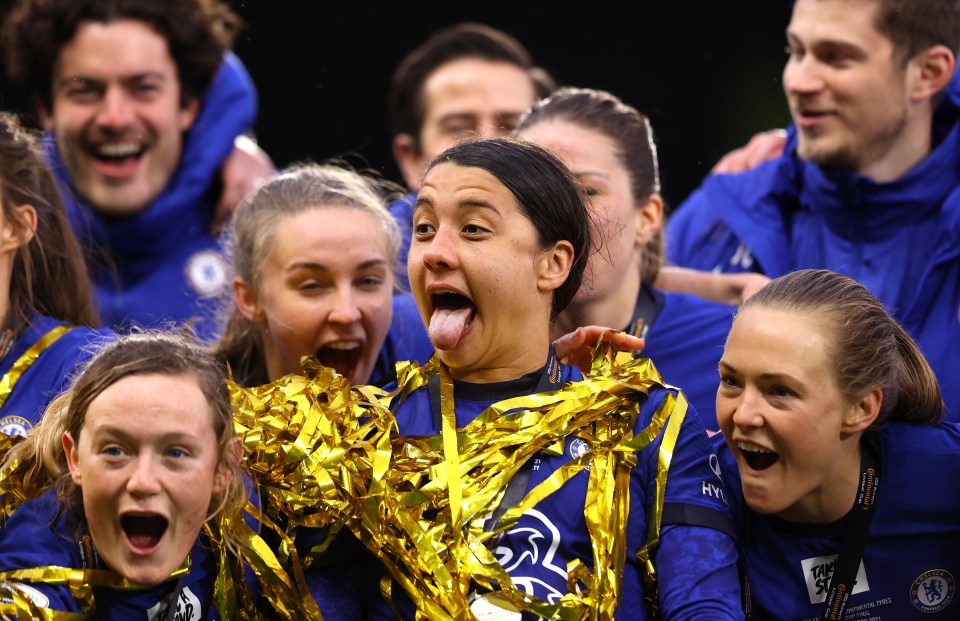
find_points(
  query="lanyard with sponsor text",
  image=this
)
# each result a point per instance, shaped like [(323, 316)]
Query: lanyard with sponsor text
[(517, 487), (855, 533)]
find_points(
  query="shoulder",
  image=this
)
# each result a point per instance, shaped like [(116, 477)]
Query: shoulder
[(37, 535)]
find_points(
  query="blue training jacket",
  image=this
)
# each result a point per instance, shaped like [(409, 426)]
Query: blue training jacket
[(900, 239), (166, 265)]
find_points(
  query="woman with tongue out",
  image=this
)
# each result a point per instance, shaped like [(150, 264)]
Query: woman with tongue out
[(123, 472), (501, 239), (831, 417)]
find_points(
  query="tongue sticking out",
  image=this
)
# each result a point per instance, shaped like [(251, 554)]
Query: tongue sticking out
[(447, 326)]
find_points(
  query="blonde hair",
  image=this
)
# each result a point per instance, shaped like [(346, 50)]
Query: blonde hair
[(295, 190)]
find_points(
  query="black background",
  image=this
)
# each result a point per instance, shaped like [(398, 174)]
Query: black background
[(706, 72)]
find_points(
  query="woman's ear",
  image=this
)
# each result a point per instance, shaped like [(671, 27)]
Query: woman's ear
[(554, 266), (248, 303), (649, 218), (20, 229), (73, 458), (864, 412)]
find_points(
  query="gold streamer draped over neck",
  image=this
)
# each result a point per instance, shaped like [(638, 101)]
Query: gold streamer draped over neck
[(329, 455)]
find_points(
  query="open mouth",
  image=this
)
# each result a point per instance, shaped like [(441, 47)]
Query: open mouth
[(452, 317), (143, 530), (118, 155), (756, 457), (341, 356)]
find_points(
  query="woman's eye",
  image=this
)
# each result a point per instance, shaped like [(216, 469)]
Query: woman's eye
[(423, 229), (473, 229), (370, 282), (726, 380), (781, 391), (176, 453)]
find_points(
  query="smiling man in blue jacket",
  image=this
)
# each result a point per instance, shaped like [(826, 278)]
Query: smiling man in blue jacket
[(869, 182), (141, 112)]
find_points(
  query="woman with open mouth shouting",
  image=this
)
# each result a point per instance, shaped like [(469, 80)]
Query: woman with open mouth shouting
[(831, 417), (501, 240), (314, 251), (122, 474)]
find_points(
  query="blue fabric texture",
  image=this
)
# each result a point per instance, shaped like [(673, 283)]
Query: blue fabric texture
[(686, 343)]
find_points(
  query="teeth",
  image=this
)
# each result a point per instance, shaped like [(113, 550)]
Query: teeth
[(119, 149), (343, 345), (752, 448)]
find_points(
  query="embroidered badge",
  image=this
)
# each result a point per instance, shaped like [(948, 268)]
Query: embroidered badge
[(933, 590), (15, 426), (206, 272)]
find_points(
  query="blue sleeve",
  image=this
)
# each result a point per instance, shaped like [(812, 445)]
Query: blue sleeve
[(29, 540), (679, 232), (697, 574)]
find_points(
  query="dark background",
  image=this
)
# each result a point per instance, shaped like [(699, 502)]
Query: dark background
[(706, 72)]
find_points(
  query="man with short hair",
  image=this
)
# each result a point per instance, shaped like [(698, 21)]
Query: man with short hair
[(869, 183), (138, 137), (465, 81)]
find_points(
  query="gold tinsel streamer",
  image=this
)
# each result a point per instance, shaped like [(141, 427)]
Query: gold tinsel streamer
[(329, 455)]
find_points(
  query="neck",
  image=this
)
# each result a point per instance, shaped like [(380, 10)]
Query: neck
[(516, 364), (836, 496), (614, 310), (907, 151)]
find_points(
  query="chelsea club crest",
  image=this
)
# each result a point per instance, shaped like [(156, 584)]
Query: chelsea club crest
[(15, 426), (933, 590), (578, 447)]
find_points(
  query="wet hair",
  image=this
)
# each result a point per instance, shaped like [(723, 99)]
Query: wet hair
[(197, 32), (916, 25), (869, 348), (632, 134), (49, 273), (297, 189), (546, 192), (130, 355), (406, 108)]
